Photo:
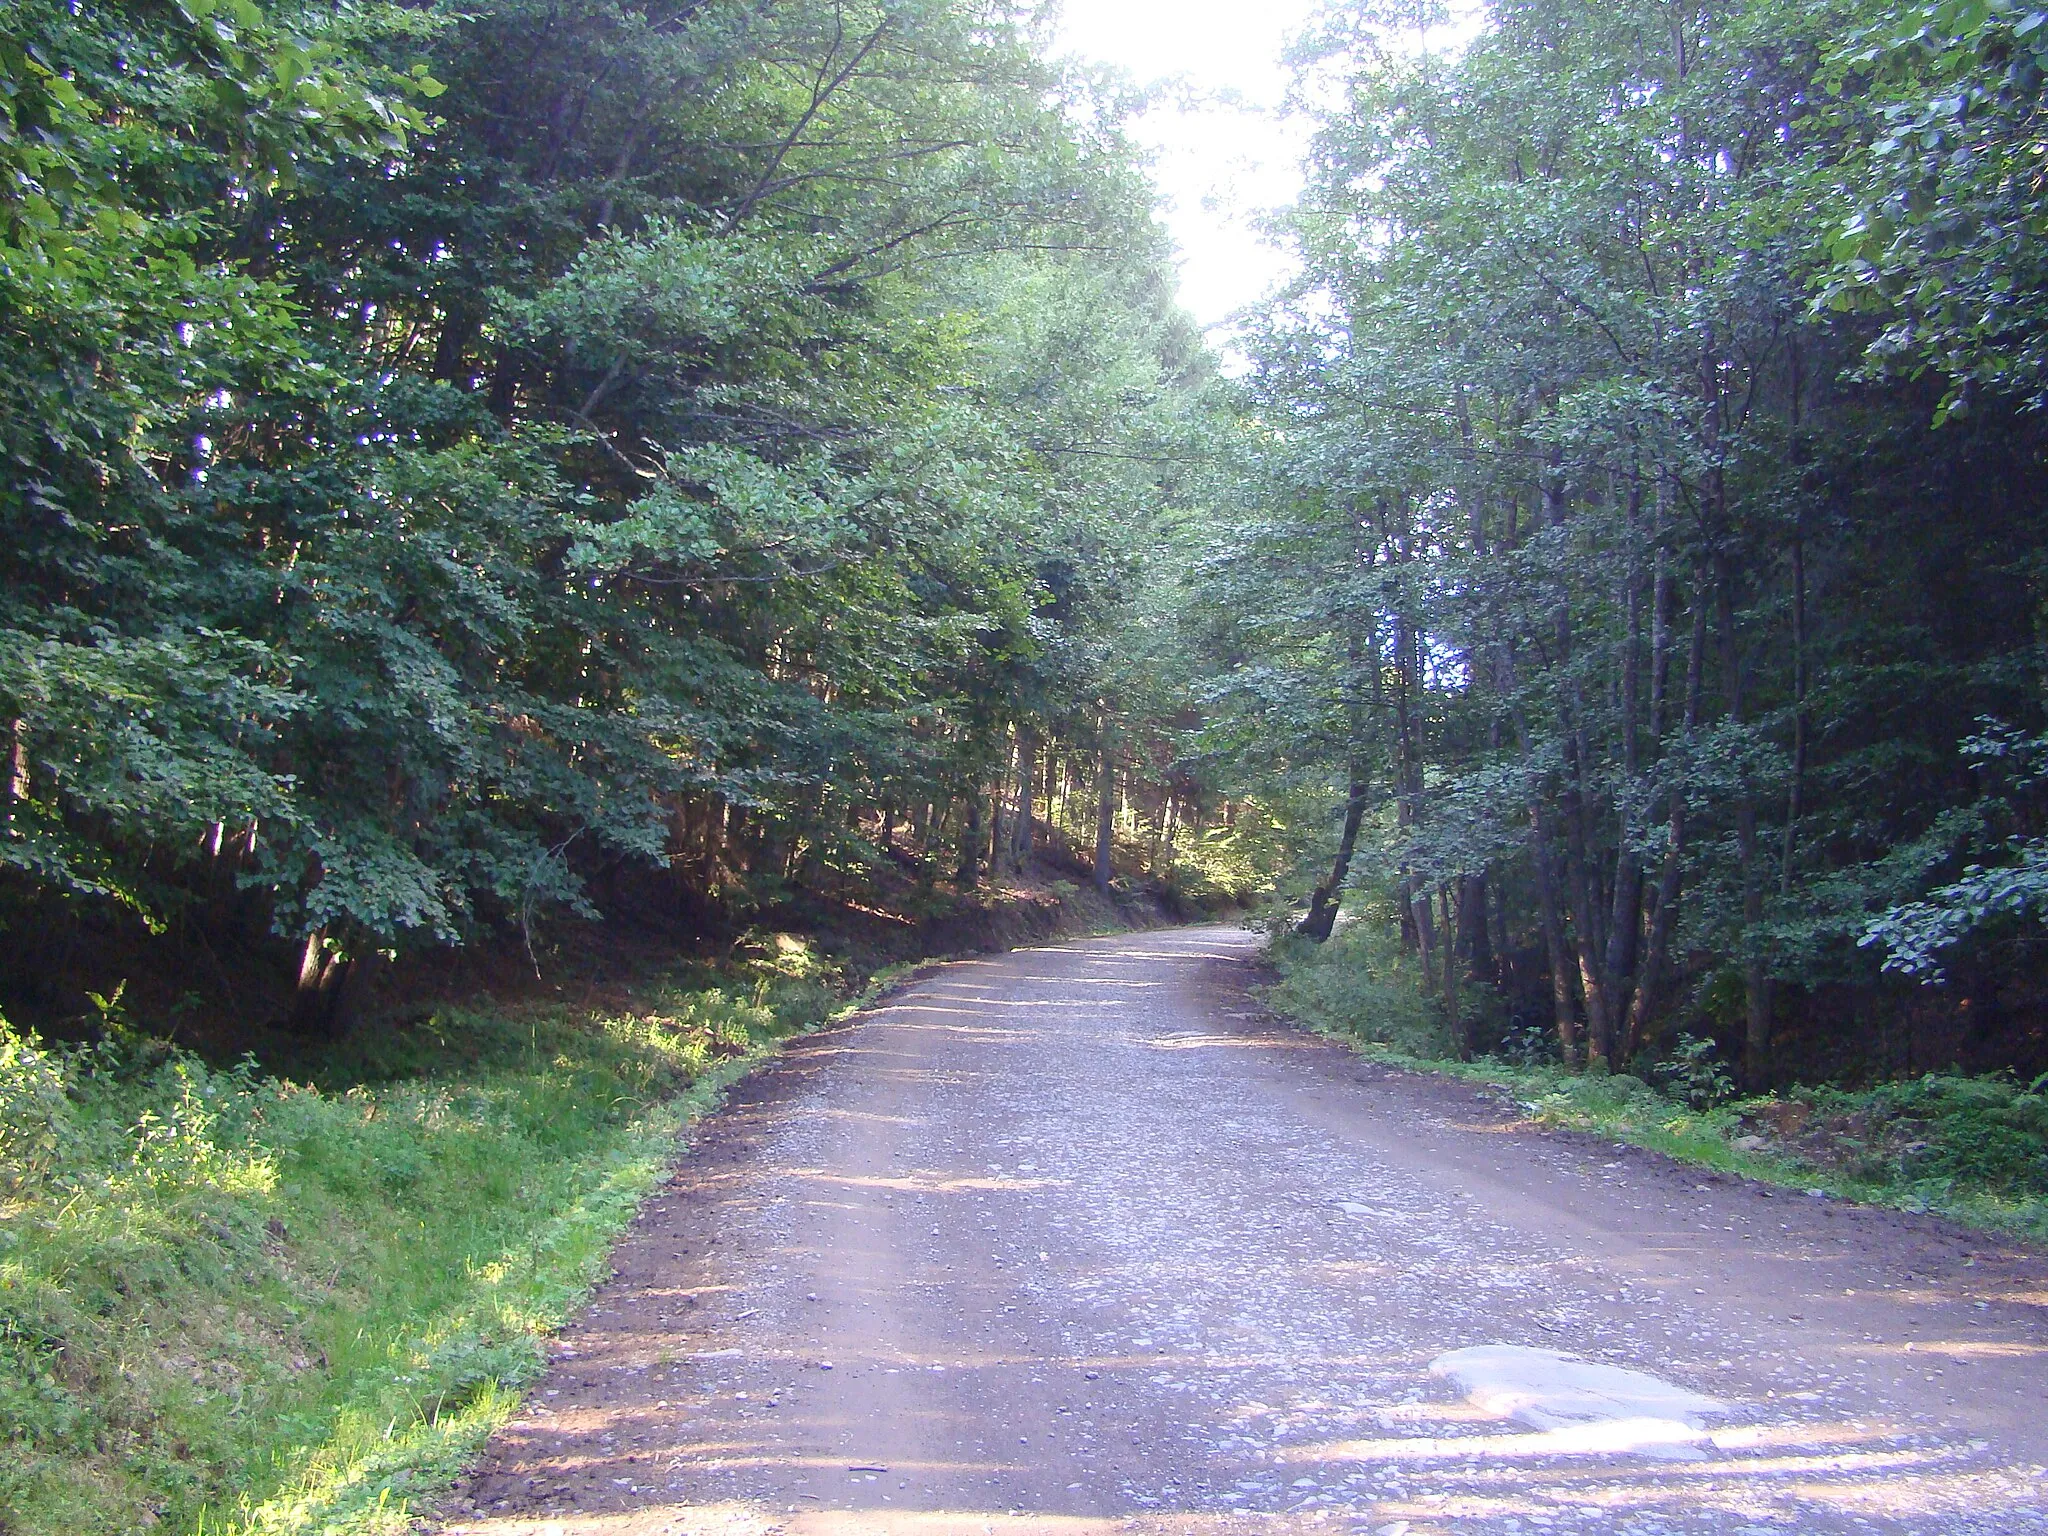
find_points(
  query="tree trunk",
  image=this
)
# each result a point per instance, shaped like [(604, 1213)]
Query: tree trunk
[(1670, 879), (1796, 792), (1454, 923), (1756, 983), (323, 1002), (1564, 1012), (1475, 938), (1624, 919), (1418, 899), (1105, 815), (17, 770), (1361, 650), (969, 873), (1801, 726), (1322, 907), (996, 842), (1582, 890), (1021, 825)]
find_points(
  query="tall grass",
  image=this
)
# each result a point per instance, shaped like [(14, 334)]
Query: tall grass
[(234, 1302)]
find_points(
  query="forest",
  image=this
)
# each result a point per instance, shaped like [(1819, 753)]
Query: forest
[(473, 469), (1641, 519), (515, 478)]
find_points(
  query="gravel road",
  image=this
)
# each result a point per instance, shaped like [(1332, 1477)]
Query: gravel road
[(1078, 1240)]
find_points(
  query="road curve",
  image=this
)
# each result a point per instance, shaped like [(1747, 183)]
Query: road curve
[(1077, 1240)]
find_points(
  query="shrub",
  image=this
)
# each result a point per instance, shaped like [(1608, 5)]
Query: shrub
[(1983, 1132), (35, 1107), (1362, 983), (1692, 1075)]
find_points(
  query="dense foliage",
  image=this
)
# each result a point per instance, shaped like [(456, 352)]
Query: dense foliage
[(1646, 526), (472, 462)]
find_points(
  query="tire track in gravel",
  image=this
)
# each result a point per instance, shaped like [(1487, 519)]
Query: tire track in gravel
[(1077, 1240)]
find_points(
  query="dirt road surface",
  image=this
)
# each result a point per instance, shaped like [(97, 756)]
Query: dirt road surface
[(1077, 1241)]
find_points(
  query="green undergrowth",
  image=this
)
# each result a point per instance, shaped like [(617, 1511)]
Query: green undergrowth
[(1973, 1149), (236, 1302)]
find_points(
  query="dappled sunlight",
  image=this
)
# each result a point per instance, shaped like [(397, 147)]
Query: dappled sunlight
[(924, 1183), (1274, 1044), (857, 1116), (745, 1519), (1649, 1436), (1614, 1437), (894, 1012), (1083, 983), (869, 909), (1059, 1004), (1169, 954), (1792, 1436), (1960, 1349)]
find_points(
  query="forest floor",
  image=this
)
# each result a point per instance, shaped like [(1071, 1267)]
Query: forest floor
[(1082, 1240)]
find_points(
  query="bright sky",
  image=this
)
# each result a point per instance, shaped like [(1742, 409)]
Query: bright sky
[(1217, 165)]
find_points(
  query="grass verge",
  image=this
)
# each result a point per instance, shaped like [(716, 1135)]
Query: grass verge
[(250, 1305), (1972, 1149)]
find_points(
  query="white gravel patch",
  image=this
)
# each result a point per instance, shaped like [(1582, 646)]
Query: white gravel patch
[(1583, 1406)]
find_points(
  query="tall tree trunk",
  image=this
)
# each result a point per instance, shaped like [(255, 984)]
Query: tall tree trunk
[(1454, 923), (1105, 814), (1542, 856), (996, 841), (1363, 657), (1580, 886), (1582, 890), (17, 770), (1795, 793), (1475, 938), (1801, 726), (1581, 883), (1022, 824), (324, 999), (1671, 877), (1542, 863), (1419, 903), (1756, 984), (968, 875), (1756, 989), (1321, 918), (1624, 921)]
